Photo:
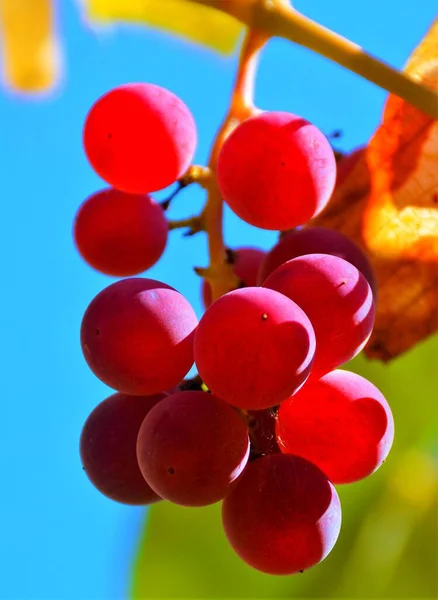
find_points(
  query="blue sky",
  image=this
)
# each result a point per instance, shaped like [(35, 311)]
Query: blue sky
[(59, 538)]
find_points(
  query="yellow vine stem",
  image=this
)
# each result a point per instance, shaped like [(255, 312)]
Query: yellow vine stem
[(193, 224), (196, 174), (278, 18), (219, 273)]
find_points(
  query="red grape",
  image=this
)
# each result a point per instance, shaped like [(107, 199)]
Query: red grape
[(120, 234), (137, 336), (108, 448), (139, 137), (246, 265), (276, 170), (338, 301), (341, 423), (283, 516), (254, 348), (316, 240), (192, 447)]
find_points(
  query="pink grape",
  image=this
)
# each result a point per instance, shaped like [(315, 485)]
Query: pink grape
[(341, 423), (283, 516), (120, 234), (338, 301), (246, 266), (316, 240), (254, 348), (192, 447), (139, 137), (276, 170), (137, 336), (108, 448)]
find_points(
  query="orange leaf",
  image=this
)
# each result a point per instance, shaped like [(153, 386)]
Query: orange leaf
[(387, 200)]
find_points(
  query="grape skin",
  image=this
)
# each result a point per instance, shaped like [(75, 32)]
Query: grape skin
[(276, 171), (120, 234), (316, 240), (254, 348), (341, 423), (137, 336), (246, 265), (108, 448), (192, 447), (139, 137), (283, 516), (338, 301)]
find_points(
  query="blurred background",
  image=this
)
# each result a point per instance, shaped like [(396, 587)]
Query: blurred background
[(59, 537)]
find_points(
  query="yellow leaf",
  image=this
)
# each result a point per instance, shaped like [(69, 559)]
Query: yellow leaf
[(195, 22), (28, 44), (388, 202)]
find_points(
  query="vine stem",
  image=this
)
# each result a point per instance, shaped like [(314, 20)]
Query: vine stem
[(278, 18), (220, 273), (193, 224)]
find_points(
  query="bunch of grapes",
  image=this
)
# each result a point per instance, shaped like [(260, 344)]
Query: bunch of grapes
[(271, 423)]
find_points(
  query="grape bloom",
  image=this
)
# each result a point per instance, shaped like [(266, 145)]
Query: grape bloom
[(315, 240), (139, 137), (276, 171), (284, 516), (137, 336), (269, 423), (108, 448), (341, 422), (254, 347), (192, 448), (338, 301), (120, 234)]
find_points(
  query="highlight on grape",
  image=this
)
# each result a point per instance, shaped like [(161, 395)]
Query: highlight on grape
[(271, 423)]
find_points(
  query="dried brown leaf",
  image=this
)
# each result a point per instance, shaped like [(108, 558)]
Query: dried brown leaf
[(388, 202)]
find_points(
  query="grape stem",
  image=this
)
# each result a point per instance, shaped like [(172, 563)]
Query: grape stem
[(220, 273), (193, 224), (166, 203), (195, 174), (279, 18)]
